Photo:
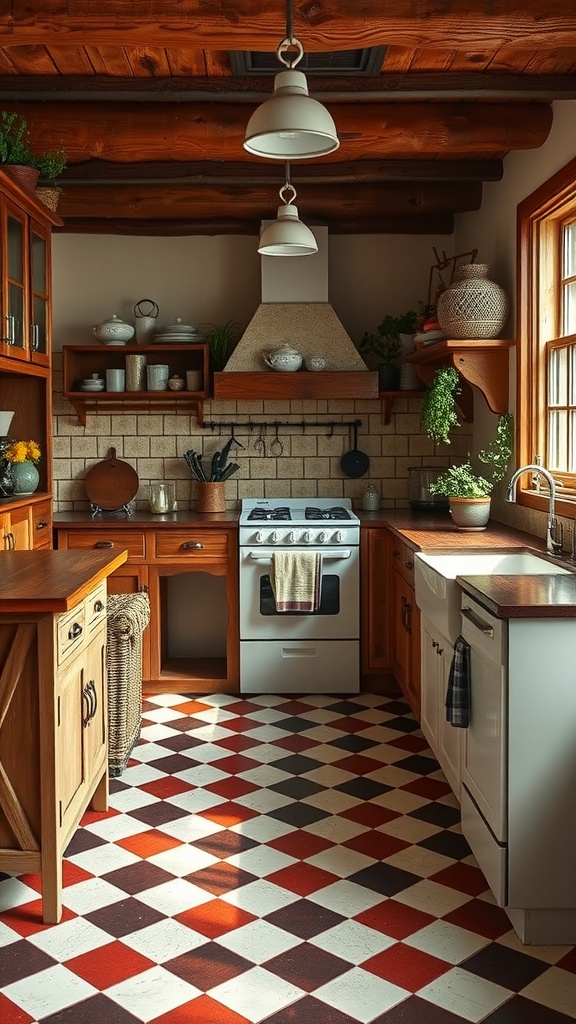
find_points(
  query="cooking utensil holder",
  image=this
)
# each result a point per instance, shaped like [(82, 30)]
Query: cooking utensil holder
[(210, 497)]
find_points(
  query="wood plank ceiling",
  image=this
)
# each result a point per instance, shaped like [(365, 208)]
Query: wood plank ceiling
[(143, 97)]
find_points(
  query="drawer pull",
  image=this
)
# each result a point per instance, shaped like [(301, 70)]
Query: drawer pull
[(409, 565), (395, 553), (41, 525), (191, 545), (104, 544), (74, 631), (98, 606), (467, 613)]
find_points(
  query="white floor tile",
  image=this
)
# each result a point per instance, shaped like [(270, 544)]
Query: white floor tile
[(555, 988), (92, 894), (447, 941), (129, 799), (432, 898), (70, 938), (261, 860), (182, 860), (340, 861), (259, 941), (52, 990), (174, 897), (465, 994), (346, 898), (164, 940), (361, 995), (419, 860), (411, 829), (263, 829), (353, 941), (102, 859), (260, 898), (191, 828), (13, 893), (152, 993), (255, 995), (336, 829), (119, 826)]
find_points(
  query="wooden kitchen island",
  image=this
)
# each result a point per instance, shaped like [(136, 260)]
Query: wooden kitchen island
[(53, 706)]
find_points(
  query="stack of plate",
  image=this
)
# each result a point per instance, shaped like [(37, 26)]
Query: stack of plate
[(176, 333), (92, 384)]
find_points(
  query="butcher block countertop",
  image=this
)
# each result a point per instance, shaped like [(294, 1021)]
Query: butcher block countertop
[(52, 581)]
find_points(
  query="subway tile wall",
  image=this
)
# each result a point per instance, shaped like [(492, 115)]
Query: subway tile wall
[(309, 466)]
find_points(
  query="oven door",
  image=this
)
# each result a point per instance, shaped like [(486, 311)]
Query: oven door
[(338, 616)]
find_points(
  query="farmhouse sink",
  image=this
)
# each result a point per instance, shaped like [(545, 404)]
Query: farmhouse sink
[(438, 594)]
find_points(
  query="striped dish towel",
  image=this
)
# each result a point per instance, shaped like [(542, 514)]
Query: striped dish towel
[(296, 579), (458, 691)]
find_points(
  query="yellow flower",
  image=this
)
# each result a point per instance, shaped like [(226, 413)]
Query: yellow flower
[(23, 451)]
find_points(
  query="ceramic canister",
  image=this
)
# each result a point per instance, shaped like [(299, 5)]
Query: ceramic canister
[(157, 375), (135, 373)]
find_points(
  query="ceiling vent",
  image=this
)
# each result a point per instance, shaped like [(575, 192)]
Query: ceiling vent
[(338, 62)]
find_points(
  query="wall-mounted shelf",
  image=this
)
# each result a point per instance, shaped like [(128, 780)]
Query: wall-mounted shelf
[(81, 361), (480, 362), (302, 384)]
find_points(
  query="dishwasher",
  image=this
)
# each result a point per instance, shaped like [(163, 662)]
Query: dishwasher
[(485, 751)]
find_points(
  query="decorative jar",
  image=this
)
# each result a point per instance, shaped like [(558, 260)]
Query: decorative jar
[(473, 306), (113, 331), (26, 477)]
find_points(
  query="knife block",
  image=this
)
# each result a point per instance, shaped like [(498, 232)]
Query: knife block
[(210, 497)]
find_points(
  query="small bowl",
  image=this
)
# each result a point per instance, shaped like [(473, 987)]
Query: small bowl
[(315, 363)]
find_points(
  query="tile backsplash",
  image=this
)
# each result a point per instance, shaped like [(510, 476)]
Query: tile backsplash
[(155, 443)]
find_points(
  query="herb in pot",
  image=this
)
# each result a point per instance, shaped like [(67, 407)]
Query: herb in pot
[(438, 409)]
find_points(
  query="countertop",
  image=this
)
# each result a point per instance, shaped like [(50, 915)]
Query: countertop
[(120, 522), (52, 581)]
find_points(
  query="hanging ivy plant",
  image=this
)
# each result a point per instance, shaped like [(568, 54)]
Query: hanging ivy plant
[(438, 410)]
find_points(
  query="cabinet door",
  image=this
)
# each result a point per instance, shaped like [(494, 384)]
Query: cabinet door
[(41, 525), (94, 707), (430, 696), (406, 641), (375, 596), (14, 332), (15, 530), (39, 294)]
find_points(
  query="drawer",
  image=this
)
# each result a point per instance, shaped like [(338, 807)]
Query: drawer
[(192, 544), (96, 607), (71, 632), (42, 525), (403, 560), (132, 541)]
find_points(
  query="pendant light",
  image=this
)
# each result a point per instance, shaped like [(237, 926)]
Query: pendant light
[(291, 125), (287, 235)]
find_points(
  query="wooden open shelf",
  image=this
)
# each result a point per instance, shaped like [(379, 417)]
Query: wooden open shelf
[(302, 384), (483, 363)]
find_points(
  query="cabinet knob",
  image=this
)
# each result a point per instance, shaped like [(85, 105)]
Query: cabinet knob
[(104, 544), (192, 545), (409, 565), (41, 524), (98, 606), (395, 553), (74, 631)]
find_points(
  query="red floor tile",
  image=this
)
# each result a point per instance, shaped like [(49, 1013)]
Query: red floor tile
[(203, 1010), (229, 814), (215, 918), (114, 962), (463, 877), (302, 878), (407, 967), (394, 919), (148, 844), (166, 787)]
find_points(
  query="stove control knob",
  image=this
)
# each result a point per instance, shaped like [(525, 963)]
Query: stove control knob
[(259, 537), (339, 536), (292, 537), (273, 538), (307, 537), (322, 537)]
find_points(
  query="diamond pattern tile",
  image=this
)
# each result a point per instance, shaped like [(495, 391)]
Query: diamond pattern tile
[(275, 860)]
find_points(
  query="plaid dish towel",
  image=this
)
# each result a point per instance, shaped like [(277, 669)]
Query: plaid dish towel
[(458, 692), (296, 579)]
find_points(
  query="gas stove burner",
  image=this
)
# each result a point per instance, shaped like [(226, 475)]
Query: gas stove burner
[(337, 512), (264, 514)]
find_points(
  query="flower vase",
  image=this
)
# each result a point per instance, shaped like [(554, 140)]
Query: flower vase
[(473, 306), (26, 477)]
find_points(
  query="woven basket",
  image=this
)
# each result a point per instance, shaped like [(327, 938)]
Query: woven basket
[(49, 196), (210, 497), (128, 616), (472, 306), (26, 177)]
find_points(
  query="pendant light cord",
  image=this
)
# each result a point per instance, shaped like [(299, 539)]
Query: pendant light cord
[(289, 20), (290, 42)]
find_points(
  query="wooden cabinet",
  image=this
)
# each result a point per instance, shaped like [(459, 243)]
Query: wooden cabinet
[(190, 571), (405, 617), (41, 519), (81, 361), (375, 598), (445, 740), (16, 529), (53, 746)]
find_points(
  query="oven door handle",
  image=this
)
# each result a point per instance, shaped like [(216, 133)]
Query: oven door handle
[(261, 555)]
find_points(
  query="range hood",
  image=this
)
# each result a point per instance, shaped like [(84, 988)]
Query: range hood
[(295, 310)]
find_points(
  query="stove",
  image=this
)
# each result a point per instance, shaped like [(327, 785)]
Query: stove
[(295, 651), (318, 521)]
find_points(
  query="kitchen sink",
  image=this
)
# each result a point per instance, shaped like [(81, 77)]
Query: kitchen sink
[(438, 594)]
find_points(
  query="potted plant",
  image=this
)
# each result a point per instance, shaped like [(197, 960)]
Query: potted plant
[(386, 345), (16, 157), (221, 339), (468, 492), (50, 164)]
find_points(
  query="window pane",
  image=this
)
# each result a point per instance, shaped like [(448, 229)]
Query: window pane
[(572, 441), (558, 376), (569, 255), (569, 310), (557, 447)]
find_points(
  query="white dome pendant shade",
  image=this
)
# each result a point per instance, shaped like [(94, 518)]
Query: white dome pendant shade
[(287, 235), (291, 125)]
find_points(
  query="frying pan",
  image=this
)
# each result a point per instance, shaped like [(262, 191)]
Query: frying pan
[(355, 463), (111, 483)]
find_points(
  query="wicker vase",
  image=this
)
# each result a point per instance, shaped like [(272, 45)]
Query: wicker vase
[(210, 497), (473, 306)]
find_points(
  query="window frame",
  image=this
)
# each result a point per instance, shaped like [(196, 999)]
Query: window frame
[(539, 219)]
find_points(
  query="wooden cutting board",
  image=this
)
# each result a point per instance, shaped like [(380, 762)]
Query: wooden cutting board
[(111, 483)]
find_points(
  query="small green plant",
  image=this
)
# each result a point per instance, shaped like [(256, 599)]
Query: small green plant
[(14, 146), (51, 164), (438, 409), (385, 343), (462, 482), (221, 339)]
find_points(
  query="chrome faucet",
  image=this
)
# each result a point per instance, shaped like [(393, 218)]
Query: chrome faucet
[(553, 546)]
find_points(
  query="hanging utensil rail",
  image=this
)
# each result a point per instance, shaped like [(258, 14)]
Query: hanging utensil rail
[(233, 425)]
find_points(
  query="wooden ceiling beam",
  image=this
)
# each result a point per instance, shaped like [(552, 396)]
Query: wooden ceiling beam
[(209, 202), (234, 173), (130, 132), (422, 85), (426, 224), (341, 24)]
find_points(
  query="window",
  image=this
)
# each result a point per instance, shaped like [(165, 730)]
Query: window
[(546, 401)]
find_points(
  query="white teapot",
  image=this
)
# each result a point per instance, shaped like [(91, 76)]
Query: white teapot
[(113, 331), (284, 358)]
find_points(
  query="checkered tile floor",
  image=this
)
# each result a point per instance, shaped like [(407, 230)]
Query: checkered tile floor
[(279, 860)]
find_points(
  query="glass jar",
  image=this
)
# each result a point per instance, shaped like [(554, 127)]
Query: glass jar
[(420, 497), (371, 499)]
